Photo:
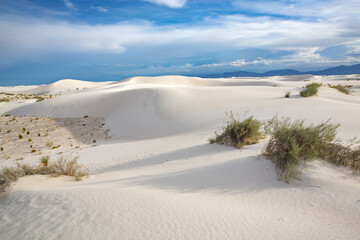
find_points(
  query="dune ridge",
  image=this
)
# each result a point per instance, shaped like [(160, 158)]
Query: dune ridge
[(157, 177)]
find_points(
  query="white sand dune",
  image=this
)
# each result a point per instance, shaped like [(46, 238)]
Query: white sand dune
[(158, 178)]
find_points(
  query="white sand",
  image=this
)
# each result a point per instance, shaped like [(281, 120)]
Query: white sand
[(158, 178)]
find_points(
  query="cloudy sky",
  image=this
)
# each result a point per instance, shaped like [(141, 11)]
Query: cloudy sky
[(42, 41)]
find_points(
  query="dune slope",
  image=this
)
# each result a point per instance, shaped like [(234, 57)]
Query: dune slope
[(158, 178)]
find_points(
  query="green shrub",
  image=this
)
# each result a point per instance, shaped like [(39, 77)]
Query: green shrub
[(20, 136), (311, 89), (292, 143), (342, 88), (239, 133), (287, 95)]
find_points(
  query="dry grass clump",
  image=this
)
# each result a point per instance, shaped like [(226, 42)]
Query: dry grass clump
[(239, 133), (62, 166), (348, 156), (342, 88), (311, 89), (69, 167)]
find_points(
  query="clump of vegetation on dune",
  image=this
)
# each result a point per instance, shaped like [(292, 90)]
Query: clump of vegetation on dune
[(239, 133), (311, 89), (291, 143), (342, 88), (67, 166)]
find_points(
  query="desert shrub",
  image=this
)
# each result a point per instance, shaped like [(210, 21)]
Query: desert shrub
[(4, 99), (9, 175), (342, 88), (239, 133), (292, 143), (44, 160), (62, 166), (28, 132), (69, 167), (2, 149), (39, 98), (348, 155), (287, 95), (311, 89), (20, 136)]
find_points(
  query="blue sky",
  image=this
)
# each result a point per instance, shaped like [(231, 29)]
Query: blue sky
[(43, 41)]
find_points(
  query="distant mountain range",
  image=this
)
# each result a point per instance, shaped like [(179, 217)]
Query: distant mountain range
[(339, 70)]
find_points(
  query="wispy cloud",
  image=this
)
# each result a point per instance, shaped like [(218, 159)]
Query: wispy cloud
[(69, 5), (324, 9), (228, 32), (100, 9), (169, 3)]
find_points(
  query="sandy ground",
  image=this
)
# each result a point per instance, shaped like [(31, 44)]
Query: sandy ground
[(154, 175)]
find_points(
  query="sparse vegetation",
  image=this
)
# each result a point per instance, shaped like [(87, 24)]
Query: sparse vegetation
[(62, 166), (287, 95), (44, 160), (342, 88), (291, 144), (5, 99), (311, 89), (20, 136), (239, 133)]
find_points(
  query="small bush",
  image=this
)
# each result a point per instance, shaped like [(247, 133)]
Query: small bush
[(342, 88), (287, 95), (34, 150), (2, 149), (348, 156), (20, 136), (63, 166), (292, 143), (4, 99), (28, 132), (239, 134), (311, 89), (69, 167), (39, 134), (44, 160)]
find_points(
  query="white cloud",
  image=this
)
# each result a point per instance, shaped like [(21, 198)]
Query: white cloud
[(169, 3), (324, 9), (24, 39), (69, 5), (100, 9)]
